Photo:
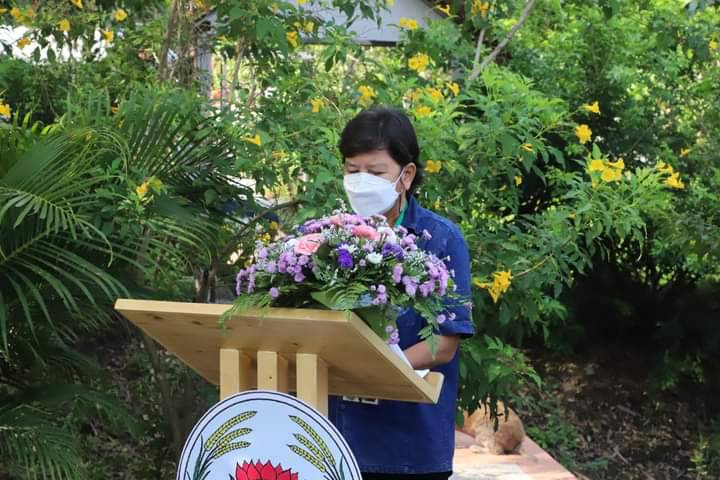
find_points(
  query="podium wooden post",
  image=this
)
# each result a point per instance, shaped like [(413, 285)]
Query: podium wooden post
[(314, 353)]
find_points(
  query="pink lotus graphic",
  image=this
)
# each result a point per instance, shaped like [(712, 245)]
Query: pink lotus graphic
[(262, 471)]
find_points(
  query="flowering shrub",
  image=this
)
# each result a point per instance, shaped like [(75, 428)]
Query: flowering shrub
[(346, 261)]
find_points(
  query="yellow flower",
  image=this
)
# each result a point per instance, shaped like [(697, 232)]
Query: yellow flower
[(583, 133), (620, 164), (317, 104), (274, 226), (528, 147), (200, 4), (256, 139), (15, 13), (30, 13), (309, 26), (292, 38), (674, 181), (611, 175), (713, 45), (108, 35), (419, 62), (592, 107), (279, 154), (500, 284), (64, 25), (684, 152), (664, 167), (444, 9), (423, 111), (120, 15), (114, 109), (597, 166), (3, 10), (437, 204), (142, 190), (5, 110), (413, 95), (518, 180), (409, 23), (23, 42), (435, 94), (389, 3), (301, 2), (366, 93), (479, 7), (433, 166), (77, 3), (454, 88)]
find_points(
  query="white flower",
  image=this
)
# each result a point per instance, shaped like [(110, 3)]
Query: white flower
[(389, 234), (374, 258), (350, 248)]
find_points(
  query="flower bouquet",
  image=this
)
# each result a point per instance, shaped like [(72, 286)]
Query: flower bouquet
[(350, 262)]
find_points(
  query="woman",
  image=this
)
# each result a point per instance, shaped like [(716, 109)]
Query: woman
[(393, 439)]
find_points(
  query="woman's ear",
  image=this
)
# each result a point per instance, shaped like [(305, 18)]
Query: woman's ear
[(408, 175)]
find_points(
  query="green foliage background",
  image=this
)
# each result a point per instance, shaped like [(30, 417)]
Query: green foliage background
[(119, 177)]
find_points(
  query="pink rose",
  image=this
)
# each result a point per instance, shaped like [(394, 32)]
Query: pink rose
[(336, 220), (308, 244), (365, 231)]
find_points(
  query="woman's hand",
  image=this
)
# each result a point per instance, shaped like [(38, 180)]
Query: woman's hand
[(421, 357)]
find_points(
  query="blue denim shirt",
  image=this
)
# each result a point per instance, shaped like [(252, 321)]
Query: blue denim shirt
[(412, 438)]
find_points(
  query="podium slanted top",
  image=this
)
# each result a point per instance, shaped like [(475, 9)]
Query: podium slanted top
[(359, 362)]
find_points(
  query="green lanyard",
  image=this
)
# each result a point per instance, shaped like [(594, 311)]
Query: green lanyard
[(401, 217)]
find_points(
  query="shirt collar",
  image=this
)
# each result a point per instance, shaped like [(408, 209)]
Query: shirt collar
[(413, 214)]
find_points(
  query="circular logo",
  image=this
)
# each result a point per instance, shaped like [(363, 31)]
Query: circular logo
[(264, 435)]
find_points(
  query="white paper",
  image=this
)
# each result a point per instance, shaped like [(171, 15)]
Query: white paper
[(398, 351)]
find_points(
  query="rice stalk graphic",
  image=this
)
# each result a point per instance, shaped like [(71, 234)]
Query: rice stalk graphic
[(222, 441), (316, 451)]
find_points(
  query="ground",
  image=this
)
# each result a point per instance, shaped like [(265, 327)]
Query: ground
[(601, 420)]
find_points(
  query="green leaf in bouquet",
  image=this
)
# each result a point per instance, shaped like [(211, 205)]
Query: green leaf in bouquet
[(376, 317), (340, 297)]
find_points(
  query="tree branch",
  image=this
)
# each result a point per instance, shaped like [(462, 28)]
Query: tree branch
[(169, 32), (523, 17), (476, 65)]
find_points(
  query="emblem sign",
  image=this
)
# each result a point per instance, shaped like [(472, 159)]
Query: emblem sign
[(264, 435)]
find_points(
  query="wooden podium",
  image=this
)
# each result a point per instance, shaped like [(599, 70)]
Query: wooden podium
[(314, 353)]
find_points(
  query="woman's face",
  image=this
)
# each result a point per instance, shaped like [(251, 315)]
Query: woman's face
[(381, 164)]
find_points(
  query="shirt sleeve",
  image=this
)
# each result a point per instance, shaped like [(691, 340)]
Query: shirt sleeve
[(459, 262)]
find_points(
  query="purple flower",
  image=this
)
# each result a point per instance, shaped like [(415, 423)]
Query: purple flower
[(426, 288), (274, 292), (397, 273), (362, 263), (441, 319), (426, 235), (394, 338), (262, 253), (393, 250), (282, 266), (381, 289), (304, 259), (271, 267), (410, 286), (389, 329), (452, 316), (299, 275), (408, 241), (345, 259)]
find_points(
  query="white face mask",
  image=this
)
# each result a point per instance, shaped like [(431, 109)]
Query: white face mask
[(370, 194)]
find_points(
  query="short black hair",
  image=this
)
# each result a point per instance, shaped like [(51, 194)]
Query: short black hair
[(383, 128)]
